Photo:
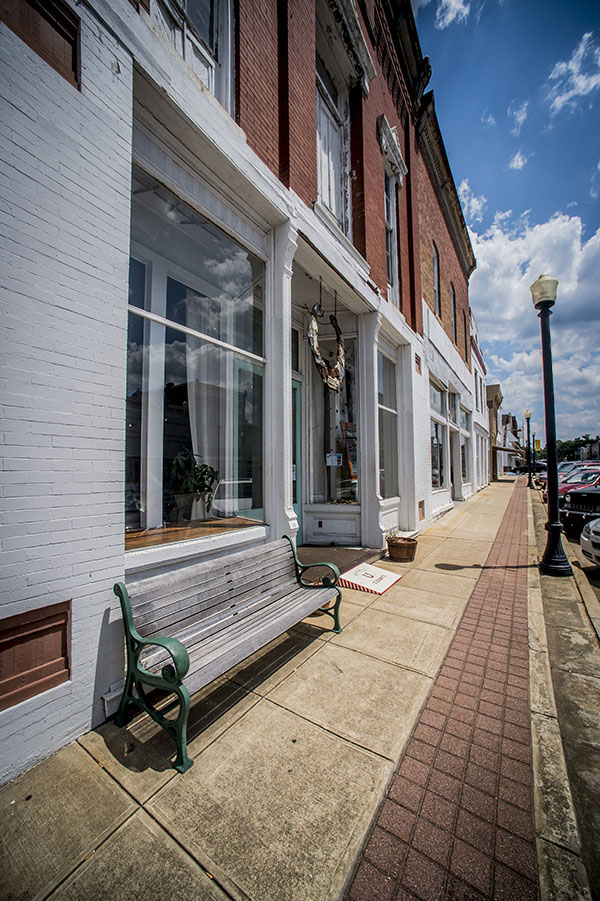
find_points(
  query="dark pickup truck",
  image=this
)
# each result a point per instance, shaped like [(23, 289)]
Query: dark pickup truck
[(579, 506)]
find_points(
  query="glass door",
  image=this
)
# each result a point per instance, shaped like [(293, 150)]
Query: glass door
[(297, 454)]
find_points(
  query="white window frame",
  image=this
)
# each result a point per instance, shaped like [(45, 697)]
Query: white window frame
[(441, 420), (437, 299), (465, 441), (453, 315), (394, 412), (333, 147), (394, 172), (391, 235), (331, 156), (215, 70)]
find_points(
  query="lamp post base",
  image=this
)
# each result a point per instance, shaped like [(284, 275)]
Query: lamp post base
[(554, 560)]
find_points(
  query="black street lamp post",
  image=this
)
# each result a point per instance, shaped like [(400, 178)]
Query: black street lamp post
[(554, 560), (527, 418), (533, 452)]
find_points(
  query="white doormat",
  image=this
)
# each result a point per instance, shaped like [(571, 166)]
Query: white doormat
[(365, 577)]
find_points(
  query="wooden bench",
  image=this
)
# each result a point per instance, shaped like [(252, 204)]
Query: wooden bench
[(198, 622)]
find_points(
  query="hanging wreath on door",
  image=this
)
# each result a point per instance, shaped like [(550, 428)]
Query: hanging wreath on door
[(332, 376)]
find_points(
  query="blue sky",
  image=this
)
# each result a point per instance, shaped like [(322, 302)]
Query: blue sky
[(517, 93)]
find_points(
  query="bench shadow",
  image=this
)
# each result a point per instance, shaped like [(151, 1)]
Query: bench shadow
[(142, 745)]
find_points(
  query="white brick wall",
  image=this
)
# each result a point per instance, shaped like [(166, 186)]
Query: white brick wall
[(65, 197)]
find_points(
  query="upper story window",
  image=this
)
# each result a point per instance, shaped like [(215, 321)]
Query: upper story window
[(50, 28), (202, 32), (332, 139), (342, 61), (466, 337), (395, 170), (437, 300), (453, 311), (391, 236)]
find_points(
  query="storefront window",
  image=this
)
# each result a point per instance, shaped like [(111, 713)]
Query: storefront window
[(463, 459), (333, 438), (194, 444), (388, 427), (452, 408), (436, 399), (437, 454)]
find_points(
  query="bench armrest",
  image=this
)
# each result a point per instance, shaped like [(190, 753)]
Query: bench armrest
[(301, 568), (175, 671), (135, 643)]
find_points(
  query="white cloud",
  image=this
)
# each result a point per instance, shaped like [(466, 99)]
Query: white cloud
[(419, 4), (518, 114), (472, 204), (519, 160), (510, 256), (488, 119), (576, 78), (450, 11)]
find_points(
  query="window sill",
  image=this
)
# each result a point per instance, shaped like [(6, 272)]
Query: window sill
[(163, 555), (327, 219)]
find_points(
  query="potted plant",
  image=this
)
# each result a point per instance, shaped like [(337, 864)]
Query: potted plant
[(192, 481), (400, 547)]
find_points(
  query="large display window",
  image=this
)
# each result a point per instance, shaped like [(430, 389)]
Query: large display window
[(388, 427), (194, 443)]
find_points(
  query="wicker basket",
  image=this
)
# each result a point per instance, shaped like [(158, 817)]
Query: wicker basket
[(402, 549)]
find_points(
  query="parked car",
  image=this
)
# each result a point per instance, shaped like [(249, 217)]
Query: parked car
[(568, 470), (590, 541), (579, 478), (580, 506)]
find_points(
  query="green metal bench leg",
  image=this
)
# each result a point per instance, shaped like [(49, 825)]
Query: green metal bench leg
[(334, 612), (126, 697), (337, 626), (182, 761)]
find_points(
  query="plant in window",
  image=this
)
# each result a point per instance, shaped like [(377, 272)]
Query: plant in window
[(192, 481)]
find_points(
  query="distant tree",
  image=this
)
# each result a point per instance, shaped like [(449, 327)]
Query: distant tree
[(569, 450)]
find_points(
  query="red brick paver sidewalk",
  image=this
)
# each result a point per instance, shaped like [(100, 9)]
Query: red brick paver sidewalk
[(458, 822)]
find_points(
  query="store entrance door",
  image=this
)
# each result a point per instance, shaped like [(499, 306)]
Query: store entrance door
[(297, 454)]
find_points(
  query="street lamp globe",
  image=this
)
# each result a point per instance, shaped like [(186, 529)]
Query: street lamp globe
[(543, 291), (527, 414)]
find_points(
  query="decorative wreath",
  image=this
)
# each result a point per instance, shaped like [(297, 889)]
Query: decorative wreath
[(332, 375)]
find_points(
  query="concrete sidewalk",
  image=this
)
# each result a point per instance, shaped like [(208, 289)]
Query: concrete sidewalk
[(297, 753)]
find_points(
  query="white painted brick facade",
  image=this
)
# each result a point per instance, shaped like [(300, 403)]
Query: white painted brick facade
[(65, 188)]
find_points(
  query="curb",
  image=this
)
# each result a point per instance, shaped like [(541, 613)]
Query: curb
[(561, 871)]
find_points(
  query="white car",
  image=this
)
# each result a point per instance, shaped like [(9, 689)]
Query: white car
[(590, 541)]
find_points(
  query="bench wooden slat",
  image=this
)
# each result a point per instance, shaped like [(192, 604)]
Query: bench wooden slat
[(208, 592), (202, 634), (152, 619), (206, 624), (164, 585), (229, 645)]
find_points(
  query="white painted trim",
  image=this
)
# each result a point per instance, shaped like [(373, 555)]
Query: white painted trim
[(164, 555), (390, 147)]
